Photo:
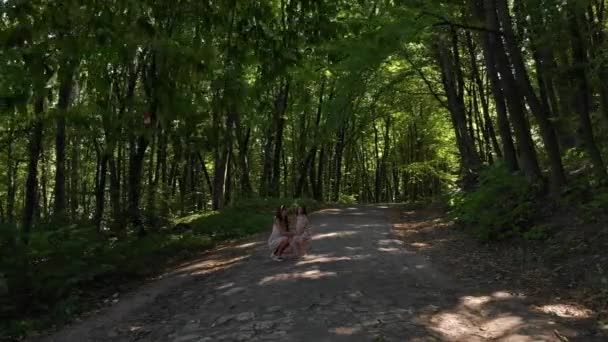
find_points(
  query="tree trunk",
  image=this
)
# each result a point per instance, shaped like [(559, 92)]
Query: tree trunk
[(453, 84), (31, 185), (100, 188), (267, 165), (279, 122), (489, 132), (219, 178), (582, 99), (228, 178), (338, 162), (11, 178), (137, 150), (307, 165), (542, 114), (115, 203), (66, 80), (243, 158), (318, 187), (494, 48), (504, 128)]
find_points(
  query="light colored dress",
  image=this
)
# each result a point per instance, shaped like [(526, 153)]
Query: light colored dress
[(276, 238), (302, 233)]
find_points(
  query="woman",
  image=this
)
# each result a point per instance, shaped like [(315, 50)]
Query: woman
[(302, 234), (280, 239)]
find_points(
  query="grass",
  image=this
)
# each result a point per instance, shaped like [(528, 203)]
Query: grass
[(65, 271)]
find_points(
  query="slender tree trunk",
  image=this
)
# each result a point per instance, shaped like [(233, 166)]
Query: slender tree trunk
[(280, 109), (74, 177), (582, 99), (489, 130), (307, 166), (115, 203), (43, 208), (205, 172), (243, 157), (153, 176), (11, 178), (339, 149), (318, 188), (504, 128), (384, 161), (100, 188), (454, 87), (137, 151), (267, 165), (219, 178), (162, 162), (31, 185), (228, 178)]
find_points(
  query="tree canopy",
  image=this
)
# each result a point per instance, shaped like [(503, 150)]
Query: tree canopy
[(123, 115)]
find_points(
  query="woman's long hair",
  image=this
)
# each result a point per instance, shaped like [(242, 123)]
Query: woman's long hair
[(278, 215)]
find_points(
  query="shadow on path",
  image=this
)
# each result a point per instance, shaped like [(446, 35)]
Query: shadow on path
[(359, 283)]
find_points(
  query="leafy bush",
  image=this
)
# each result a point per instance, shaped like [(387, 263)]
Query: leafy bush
[(346, 199), (245, 217), (502, 206)]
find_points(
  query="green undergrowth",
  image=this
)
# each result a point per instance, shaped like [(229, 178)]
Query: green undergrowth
[(65, 270), (505, 206), (502, 206), (246, 217)]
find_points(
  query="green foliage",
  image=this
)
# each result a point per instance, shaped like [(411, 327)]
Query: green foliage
[(47, 280), (501, 207), (246, 217), (346, 199)]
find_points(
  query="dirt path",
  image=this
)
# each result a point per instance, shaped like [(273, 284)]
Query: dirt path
[(358, 284)]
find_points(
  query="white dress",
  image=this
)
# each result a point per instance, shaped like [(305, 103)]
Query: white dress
[(303, 234), (276, 238)]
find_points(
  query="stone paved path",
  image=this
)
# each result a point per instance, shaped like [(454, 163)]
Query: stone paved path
[(357, 284)]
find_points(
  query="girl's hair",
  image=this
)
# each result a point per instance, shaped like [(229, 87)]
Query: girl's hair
[(278, 215), (303, 209)]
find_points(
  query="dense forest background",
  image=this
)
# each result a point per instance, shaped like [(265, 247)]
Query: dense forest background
[(120, 119)]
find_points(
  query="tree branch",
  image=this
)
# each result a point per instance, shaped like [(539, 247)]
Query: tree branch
[(426, 81), (443, 21)]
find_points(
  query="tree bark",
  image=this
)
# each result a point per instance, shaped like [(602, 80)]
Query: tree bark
[(489, 132), (495, 48), (504, 128), (339, 149), (582, 99), (31, 185), (449, 62), (65, 94), (100, 187), (279, 124), (542, 114), (307, 165), (11, 178), (318, 187)]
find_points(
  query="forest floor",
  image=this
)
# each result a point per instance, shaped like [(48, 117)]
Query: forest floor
[(374, 273)]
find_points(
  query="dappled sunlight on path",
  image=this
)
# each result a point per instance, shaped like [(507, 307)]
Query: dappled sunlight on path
[(358, 283)]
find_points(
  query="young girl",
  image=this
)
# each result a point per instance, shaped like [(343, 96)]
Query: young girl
[(302, 233), (280, 239)]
